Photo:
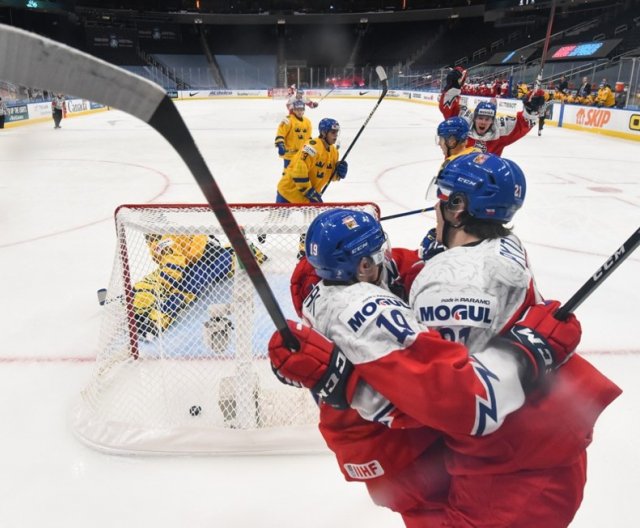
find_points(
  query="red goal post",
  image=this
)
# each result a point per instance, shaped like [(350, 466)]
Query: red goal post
[(182, 364)]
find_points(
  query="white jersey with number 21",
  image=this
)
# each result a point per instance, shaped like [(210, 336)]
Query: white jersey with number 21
[(471, 293)]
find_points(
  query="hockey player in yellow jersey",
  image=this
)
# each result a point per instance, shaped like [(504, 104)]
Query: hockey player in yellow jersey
[(310, 170), (187, 265), (452, 137), (293, 132), (605, 97)]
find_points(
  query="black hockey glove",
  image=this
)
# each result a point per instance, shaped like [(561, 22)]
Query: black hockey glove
[(534, 101), (455, 79)]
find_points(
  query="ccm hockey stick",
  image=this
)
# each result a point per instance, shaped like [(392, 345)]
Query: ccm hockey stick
[(382, 75), (31, 60), (423, 210), (599, 276)]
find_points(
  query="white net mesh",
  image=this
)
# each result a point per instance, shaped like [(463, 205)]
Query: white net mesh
[(182, 365)]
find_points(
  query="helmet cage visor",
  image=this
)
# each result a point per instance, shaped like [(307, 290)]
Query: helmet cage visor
[(383, 253)]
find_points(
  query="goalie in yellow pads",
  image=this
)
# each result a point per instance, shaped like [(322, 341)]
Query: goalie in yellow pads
[(187, 264)]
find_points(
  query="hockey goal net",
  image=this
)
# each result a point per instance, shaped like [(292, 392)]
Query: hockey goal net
[(182, 364)]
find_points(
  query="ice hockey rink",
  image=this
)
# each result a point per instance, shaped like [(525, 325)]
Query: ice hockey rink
[(59, 189)]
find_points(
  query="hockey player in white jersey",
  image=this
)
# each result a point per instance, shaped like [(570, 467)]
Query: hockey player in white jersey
[(300, 96), (482, 283), (427, 382), (507, 461), (488, 131), (473, 288)]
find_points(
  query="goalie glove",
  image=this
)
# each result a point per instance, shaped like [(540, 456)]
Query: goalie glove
[(546, 342), (318, 365)]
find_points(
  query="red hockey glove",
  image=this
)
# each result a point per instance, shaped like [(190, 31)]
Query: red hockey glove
[(313, 104), (318, 365), (303, 279), (548, 342)]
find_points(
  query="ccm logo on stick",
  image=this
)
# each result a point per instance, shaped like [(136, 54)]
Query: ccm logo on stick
[(610, 262)]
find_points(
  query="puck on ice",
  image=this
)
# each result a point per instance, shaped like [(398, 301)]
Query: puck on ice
[(195, 410)]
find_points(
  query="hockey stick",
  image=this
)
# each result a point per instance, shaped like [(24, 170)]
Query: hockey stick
[(31, 60), (424, 210), (385, 88), (545, 48), (599, 276), (325, 95)]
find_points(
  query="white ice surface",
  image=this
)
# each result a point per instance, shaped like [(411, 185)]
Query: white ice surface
[(58, 190)]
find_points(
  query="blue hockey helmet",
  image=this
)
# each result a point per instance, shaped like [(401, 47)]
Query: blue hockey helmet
[(455, 127), (485, 109), (338, 239), (298, 104), (328, 124), (493, 188)]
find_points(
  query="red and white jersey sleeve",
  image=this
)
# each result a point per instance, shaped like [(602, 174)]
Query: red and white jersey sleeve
[(505, 131), (472, 293), (449, 103), (431, 380)]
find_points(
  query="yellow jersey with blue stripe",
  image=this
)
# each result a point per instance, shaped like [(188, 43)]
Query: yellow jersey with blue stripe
[(311, 167), (293, 132)]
